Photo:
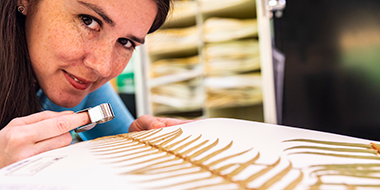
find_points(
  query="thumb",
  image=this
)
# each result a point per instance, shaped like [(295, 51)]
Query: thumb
[(146, 122)]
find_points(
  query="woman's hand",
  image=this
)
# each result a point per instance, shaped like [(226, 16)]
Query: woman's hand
[(30, 135), (147, 122)]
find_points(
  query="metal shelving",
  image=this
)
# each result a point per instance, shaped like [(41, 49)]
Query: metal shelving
[(187, 90)]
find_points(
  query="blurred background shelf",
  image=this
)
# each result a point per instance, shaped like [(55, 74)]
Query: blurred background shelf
[(206, 61)]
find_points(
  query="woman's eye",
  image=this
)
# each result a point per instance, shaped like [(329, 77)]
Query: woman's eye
[(126, 43), (90, 22)]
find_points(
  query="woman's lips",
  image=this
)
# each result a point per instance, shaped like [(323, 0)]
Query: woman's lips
[(76, 82)]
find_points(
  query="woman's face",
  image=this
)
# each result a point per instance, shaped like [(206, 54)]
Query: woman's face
[(76, 46)]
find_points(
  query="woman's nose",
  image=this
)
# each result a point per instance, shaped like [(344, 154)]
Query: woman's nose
[(99, 57)]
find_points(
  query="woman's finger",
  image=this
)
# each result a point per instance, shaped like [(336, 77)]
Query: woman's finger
[(147, 122), (53, 143), (36, 117), (171, 122), (56, 126)]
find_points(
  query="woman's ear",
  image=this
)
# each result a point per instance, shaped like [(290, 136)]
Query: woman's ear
[(22, 6)]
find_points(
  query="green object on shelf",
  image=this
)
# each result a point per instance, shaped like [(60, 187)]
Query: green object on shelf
[(126, 83)]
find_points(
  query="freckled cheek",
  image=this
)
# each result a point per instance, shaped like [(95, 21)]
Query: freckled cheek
[(120, 65), (67, 43)]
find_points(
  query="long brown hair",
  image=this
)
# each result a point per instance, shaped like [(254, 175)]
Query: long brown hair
[(18, 85)]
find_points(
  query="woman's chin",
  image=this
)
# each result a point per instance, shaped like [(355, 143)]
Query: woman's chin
[(69, 103)]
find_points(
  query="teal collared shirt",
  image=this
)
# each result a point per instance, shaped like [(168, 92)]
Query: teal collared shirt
[(105, 94)]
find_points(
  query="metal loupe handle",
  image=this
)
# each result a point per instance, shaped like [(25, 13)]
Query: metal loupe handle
[(98, 114)]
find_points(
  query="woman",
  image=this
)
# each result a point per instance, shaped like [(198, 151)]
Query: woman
[(59, 55)]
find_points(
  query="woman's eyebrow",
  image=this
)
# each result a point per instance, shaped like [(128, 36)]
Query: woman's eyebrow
[(138, 40), (99, 11)]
